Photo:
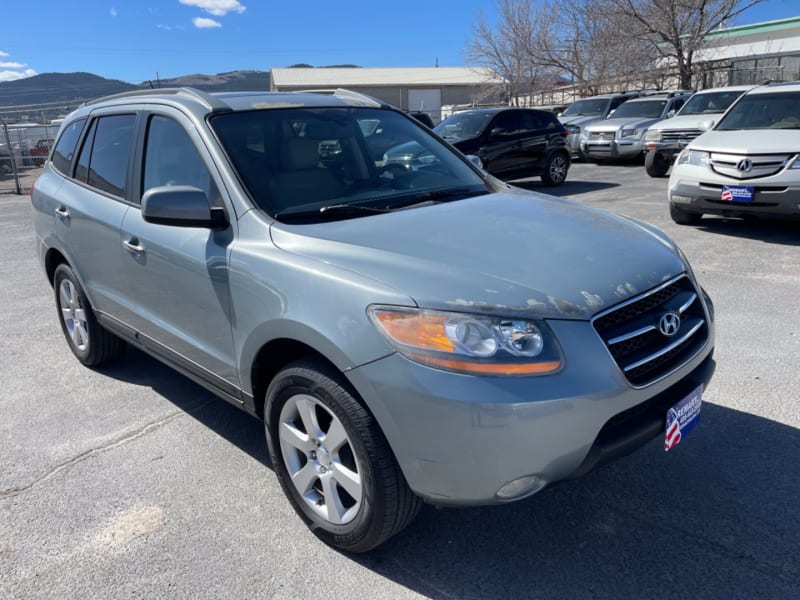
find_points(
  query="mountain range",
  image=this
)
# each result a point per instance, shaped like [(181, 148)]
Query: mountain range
[(53, 94)]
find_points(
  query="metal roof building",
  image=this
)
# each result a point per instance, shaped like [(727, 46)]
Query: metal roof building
[(423, 89)]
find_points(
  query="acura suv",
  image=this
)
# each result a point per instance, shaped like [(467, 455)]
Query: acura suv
[(748, 165), (407, 333)]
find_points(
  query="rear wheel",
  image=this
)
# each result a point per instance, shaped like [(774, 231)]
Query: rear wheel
[(655, 164), (555, 169), (682, 217), (89, 342), (332, 460)]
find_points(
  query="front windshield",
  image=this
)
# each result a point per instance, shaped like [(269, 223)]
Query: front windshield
[(712, 102), (641, 109), (326, 163), (777, 110), (591, 107), (463, 125)]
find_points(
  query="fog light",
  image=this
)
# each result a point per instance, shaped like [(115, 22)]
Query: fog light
[(524, 486), (680, 199)]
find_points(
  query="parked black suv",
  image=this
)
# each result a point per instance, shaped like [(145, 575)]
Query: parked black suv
[(511, 139)]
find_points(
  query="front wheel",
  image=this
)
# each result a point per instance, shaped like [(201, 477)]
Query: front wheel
[(332, 460), (90, 343), (555, 169), (655, 164)]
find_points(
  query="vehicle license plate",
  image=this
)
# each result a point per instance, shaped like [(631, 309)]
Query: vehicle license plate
[(682, 418), (737, 193)]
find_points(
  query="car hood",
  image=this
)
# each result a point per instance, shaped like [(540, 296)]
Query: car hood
[(580, 119), (509, 253), (748, 141), (688, 121), (615, 124)]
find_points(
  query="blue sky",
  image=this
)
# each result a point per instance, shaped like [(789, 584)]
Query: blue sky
[(132, 40)]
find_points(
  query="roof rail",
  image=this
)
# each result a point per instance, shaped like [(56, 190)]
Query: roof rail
[(349, 95), (211, 102)]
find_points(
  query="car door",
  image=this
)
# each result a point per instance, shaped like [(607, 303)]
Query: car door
[(501, 149), (178, 276), (533, 141), (90, 205)]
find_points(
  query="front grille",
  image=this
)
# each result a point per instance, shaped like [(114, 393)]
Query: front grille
[(742, 166), (601, 136), (633, 336), (679, 135)]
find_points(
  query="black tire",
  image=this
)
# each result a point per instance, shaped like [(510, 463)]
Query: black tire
[(682, 217), (655, 164), (382, 503), (90, 343), (555, 169)]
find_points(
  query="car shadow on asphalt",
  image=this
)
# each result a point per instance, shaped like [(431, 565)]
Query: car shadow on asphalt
[(773, 231), (568, 188), (225, 419), (714, 518)]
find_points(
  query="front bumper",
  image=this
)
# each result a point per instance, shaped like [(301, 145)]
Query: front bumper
[(611, 149), (459, 439), (698, 190)]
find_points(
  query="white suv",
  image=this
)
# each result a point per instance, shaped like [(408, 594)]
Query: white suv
[(747, 165)]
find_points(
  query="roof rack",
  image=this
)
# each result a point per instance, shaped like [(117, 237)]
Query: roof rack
[(211, 102), (348, 95)]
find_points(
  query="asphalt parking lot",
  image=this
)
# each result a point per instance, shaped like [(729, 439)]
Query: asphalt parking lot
[(131, 481)]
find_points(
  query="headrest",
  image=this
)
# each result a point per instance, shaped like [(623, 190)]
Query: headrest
[(299, 153)]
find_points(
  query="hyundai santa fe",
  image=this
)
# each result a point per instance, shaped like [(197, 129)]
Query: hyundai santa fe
[(408, 333)]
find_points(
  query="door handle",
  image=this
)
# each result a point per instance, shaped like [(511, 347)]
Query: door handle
[(62, 213), (133, 246)]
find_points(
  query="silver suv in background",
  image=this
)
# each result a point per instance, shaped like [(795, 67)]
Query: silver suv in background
[(748, 165), (587, 110), (408, 333), (619, 137), (664, 140)]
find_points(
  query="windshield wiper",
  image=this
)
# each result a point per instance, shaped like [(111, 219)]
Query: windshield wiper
[(331, 211), (443, 195)]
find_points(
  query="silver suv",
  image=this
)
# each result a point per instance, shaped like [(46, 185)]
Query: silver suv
[(619, 137), (665, 139), (407, 332)]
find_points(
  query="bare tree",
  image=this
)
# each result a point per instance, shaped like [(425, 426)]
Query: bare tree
[(677, 29), (507, 49)]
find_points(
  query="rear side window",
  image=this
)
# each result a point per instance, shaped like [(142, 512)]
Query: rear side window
[(103, 162), (65, 149)]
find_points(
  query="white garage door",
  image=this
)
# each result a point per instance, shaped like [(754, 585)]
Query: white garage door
[(429, 101)]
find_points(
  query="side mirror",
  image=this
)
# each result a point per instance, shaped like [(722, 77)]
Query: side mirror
[(181, 206), (671, 114)]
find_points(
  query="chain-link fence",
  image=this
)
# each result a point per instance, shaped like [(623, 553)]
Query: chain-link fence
[(24, 148)]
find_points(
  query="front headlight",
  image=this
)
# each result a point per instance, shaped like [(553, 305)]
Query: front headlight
[(796, 163), (693, 157), (630, 132), (469, 343), (652, 135)]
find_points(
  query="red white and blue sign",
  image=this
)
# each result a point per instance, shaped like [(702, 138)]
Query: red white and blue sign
[(682, 418), (737, 193)]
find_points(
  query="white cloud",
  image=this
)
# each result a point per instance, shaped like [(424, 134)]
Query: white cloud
[(114, 12), (203, 23), (14, 75), (218, 8), (11, 65), (3, 53), (164, 27)]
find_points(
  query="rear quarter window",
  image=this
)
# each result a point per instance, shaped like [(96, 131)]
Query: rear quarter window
[(65, 148)]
